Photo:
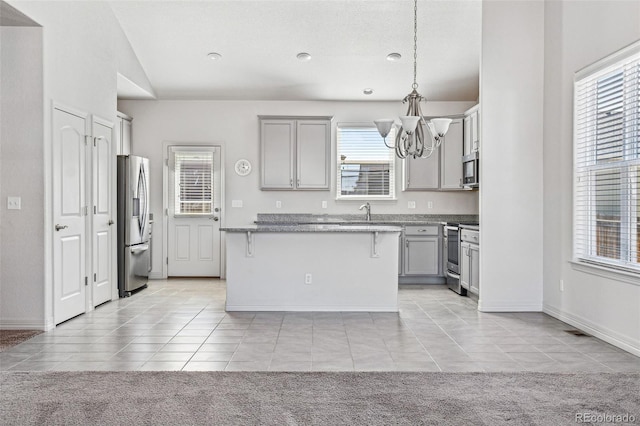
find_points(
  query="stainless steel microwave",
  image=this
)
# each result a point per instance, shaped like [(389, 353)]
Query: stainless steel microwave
[(471, 170)]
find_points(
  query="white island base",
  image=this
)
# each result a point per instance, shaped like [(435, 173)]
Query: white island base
[(312, 271)]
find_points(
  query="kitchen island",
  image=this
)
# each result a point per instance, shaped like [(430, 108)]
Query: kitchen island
[(319, 267)]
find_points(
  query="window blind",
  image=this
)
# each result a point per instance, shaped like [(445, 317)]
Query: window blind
[(607, 162), (193, 182), (366, 167)]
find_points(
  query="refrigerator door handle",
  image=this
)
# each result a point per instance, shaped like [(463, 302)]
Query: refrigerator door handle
[(139, 248)]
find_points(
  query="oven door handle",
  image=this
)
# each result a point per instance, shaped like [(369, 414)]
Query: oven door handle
[(453, 275), (451, 228)]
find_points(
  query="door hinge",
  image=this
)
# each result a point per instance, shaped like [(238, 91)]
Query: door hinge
[(167, 260), (86, 281), (166, 161), (94, 278), (166, 212), (87, 138), (95, 209)]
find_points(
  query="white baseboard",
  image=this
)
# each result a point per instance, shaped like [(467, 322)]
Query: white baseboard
[(508, 306), (156, 276), (261, 308), (610, 336), (24, 324)]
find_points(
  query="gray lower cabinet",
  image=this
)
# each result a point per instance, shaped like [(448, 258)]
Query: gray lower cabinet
[(470, 261), (295, 153), (420, 254)]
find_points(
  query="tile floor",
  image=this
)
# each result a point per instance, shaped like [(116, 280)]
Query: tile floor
[(182, 325)]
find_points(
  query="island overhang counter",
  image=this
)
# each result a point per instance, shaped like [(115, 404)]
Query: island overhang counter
[(312, 268)]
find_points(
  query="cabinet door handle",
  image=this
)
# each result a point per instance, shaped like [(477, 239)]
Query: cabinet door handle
[(291, 183), (422, 230), (298, 182), (407, 243)]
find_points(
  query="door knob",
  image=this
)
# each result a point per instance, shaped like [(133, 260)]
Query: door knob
[(111, 222), (59, 227)]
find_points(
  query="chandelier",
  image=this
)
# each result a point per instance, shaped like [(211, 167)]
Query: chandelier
[(410, 137)]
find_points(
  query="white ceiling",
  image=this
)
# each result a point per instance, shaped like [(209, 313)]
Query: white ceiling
[(348, 40)]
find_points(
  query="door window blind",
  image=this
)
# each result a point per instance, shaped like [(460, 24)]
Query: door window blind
[(193, 182), (366, 167), (607, 162)]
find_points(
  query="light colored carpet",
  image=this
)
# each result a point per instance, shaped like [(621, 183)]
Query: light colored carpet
[(9, 338), (246, 398)]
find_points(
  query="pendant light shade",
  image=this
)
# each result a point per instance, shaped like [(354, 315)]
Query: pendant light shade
[(384, 126), (439, 126), (409, 123)]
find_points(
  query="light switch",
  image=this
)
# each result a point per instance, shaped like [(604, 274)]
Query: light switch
[(278, 204), (411, 204), (236, 203), (324, 204), (13, 203), (430, 204)]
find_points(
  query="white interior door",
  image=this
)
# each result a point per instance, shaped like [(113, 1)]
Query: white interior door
[(194, 211), (69, 212), (102, 229)]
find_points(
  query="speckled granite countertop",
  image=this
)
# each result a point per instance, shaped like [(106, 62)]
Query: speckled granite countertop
[(322, 227), (390, 219)]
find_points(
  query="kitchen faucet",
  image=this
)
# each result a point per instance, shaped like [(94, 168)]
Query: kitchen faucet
[(368, 207)]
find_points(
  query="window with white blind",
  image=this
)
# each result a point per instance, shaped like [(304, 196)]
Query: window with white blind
[(366, 167), (193, 180), (607, 161)]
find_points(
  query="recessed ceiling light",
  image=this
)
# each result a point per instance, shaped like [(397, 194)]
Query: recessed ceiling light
[(214, 56), (394, 57), (303, 56), (368, 91)]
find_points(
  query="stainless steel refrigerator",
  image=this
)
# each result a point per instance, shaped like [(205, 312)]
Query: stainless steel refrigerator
[(133, 223)]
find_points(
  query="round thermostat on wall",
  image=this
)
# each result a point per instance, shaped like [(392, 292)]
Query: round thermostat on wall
[(243, 167)]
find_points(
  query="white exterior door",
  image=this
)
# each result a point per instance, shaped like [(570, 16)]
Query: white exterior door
[(102, 229), (69, 212), (194, 211)]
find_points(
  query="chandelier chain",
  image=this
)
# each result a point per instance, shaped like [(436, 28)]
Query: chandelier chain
[(415, 44)]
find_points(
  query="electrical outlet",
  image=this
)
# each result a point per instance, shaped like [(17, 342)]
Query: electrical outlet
[(236, 203), (278, 204), (429, 204), (324, 204), (561, 285), (13, 203), (411, 204), (307, 278)]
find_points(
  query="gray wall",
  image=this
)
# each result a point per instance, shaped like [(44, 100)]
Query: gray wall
[(22, 175)]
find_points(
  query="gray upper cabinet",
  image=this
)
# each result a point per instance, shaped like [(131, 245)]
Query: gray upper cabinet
[(450, 157), (277, 149), (123, 133), (313, 154), (471, 135), (295, 153), (441, 171), (422, 173)]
